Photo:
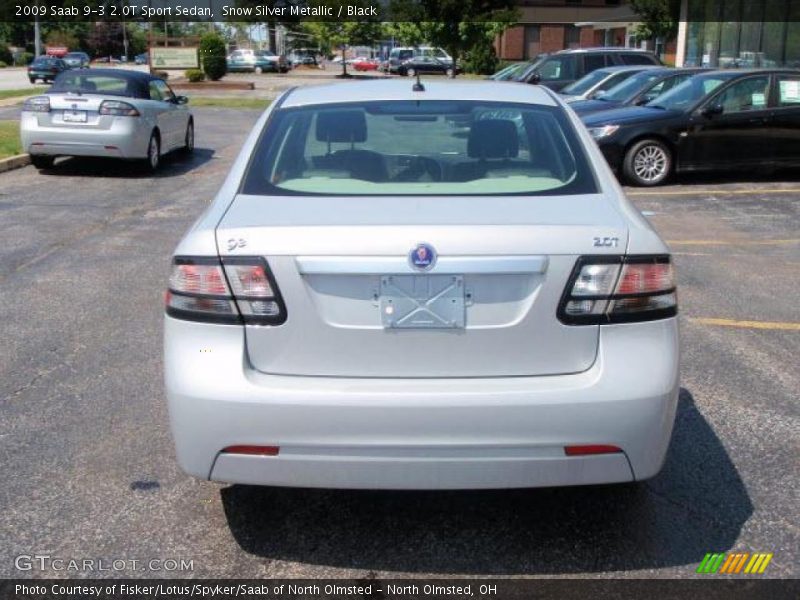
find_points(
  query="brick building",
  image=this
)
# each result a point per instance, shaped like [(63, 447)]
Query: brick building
[(550, 25)]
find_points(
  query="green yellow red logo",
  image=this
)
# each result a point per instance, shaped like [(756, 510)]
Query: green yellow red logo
[(734, 563)]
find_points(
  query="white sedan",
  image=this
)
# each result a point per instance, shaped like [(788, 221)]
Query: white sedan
[(421, 286), (108, 113)]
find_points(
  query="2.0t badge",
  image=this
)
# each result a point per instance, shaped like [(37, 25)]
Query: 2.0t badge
[(422, 257)]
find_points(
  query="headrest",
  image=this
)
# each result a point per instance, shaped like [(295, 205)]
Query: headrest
[(493, 138), (342, 126)]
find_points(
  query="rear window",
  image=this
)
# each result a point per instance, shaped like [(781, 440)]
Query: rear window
[(85, 82), (585, 83), (419, 148)]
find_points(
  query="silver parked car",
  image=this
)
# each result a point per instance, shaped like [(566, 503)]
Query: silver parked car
[(393, 290), (109, 113), (600, 81)]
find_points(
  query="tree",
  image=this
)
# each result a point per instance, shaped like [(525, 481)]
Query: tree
[(458, 26), (659, 18), (338, 34), (57, 37), (212, 56)]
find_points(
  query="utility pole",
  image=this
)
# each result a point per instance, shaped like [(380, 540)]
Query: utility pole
[(37, 37)]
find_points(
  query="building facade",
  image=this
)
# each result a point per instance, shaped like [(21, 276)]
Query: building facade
[(551, 25), (739, 33)]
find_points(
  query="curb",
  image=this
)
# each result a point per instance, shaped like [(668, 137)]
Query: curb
[(14, 162)]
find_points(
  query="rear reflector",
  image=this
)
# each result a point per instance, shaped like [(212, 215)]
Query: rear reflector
[(253, 450), (591, 449)]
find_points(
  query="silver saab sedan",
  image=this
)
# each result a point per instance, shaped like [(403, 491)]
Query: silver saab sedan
[(109, 113), (421, 287)]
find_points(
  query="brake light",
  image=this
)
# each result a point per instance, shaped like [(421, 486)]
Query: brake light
[(253, 450), (240, 290), (116, 108), (36, 104), (613, 289)]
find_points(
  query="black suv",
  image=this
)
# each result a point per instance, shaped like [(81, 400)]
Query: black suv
[(559, 69)]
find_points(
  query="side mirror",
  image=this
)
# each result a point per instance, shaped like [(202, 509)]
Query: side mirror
[(712, 110), (535, 78), (181, 100), (597, 94), (645, 99)]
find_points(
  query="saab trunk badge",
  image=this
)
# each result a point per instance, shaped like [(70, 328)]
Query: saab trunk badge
[(422, 257)]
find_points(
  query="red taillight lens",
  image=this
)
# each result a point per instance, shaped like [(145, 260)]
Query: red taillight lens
[(605, 289), (590, 449), (253, 450), (199, 291)]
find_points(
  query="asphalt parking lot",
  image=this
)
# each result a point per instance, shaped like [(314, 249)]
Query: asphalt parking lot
[(88, 467)]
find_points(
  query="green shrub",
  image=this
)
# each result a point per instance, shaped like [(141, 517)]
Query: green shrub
[(212, 56), (5, 54), (481, 59), (3, 65), (195, 75), (25, 58)]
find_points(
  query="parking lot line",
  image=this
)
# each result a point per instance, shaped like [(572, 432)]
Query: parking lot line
[(713, 192), (732, 243), (778, 325)]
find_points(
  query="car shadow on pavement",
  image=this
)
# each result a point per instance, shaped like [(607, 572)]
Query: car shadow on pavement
[(743, 176), (697, 504), (172, 165)]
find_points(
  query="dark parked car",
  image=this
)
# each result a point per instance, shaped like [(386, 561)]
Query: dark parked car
[(142, 59), (559, 69), (426, 64), (77, 60), (636, 90), (45, 68), (713, 121)]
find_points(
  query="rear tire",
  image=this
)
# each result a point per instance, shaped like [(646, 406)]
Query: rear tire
[(411, 72), (33, 81), (188, 140), (42, 162), (259, 70), (153, 160), (450, 73), (647, 163)]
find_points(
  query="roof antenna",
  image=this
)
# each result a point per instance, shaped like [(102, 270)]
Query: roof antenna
[(418, 87)]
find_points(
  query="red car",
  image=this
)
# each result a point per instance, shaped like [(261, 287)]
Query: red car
[(365, 64)]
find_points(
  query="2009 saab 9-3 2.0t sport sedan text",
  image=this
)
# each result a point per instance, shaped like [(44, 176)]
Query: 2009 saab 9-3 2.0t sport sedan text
[(421, 287)]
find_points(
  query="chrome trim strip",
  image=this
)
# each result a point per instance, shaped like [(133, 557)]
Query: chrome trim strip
[(398, 265)]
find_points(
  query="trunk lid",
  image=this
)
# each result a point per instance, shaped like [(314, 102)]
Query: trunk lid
[(69, 111), (490, 299)]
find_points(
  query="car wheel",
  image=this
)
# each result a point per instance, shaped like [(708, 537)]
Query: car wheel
[(188, 141), (450, 73), (42, 162), (153, 152), (259, 70), (411, 72), (647, 163), (33, 80)]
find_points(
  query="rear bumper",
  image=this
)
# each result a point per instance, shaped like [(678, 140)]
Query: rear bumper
[(122, 140), (422, 433)]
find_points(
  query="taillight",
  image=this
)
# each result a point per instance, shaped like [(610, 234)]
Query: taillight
[(613, 289), (36, 104), (242, 290), (117, 108)]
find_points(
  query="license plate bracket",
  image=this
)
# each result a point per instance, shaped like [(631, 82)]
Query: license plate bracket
[(75, 116), (422, 301)]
